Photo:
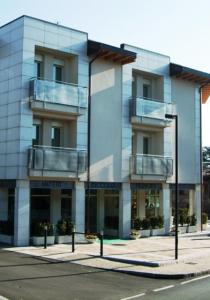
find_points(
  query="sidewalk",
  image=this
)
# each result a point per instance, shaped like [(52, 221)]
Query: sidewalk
[(151, 257)]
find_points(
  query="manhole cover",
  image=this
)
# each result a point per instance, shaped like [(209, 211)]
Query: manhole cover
[(191, 263), (119, 244)]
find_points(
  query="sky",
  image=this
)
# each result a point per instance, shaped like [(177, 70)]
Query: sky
[(177, 28)]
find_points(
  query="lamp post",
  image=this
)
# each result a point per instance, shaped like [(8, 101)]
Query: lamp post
[(175, 117)]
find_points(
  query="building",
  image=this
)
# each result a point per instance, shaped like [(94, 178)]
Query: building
[(83, 132)]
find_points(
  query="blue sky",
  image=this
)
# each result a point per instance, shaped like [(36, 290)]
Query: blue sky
[(178, 28)]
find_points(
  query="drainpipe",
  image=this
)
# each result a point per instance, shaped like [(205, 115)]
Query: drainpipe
[(201, 150), (89, 132)]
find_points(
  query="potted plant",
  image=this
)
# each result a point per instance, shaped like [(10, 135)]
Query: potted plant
[(191, 223), (183, 219), (146, 227), (91, 238), (134, 234), (157, 225), (64, 231), (204, 220), (38, 232)]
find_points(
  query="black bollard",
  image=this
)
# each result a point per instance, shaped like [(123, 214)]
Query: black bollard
[(73, 239), (45, 237), (101, 243)]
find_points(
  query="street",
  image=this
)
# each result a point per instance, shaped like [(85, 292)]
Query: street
[(25, 277)]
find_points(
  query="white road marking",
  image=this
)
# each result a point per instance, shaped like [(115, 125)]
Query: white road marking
[(133, 297), (194, 279), (163, 288), (3, 298)]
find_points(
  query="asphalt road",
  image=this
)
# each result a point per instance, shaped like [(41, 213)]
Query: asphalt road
[(24, 277), (196, 288)]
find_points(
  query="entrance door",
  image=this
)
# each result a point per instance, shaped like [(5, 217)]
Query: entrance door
[(111, 213), (91, 212)]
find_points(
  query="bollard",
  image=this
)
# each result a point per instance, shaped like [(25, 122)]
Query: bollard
[(45, 237), (73, 239), (101, 243)]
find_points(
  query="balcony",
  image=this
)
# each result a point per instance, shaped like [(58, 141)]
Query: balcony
[(151, 167), (56, 162), (149, 112), (58, 97)]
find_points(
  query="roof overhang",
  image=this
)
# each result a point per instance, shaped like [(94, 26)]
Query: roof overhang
[(201, 78), (108, 52)]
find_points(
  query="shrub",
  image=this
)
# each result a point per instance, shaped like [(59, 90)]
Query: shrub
[(146, 224), (137, 224), (183, 213), (156, 222), (204, 218), (193, 220), (160, 221), (64, 227), (38, 229)]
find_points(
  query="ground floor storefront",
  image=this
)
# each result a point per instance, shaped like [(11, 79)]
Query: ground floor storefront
[(108, 207)]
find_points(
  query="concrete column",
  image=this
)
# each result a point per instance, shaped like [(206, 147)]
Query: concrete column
[(22, 212), (166, 207), (78, 206), (125, 211), (141, 204), (55, 206), (197, 205), (3, 204), (191, 202), (100, 210)]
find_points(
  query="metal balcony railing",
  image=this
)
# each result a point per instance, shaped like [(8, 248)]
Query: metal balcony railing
[(145, 107), (43, 158), (156, 165), (58, 92)]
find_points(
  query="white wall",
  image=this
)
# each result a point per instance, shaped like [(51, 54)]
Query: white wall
[(186, 98), (17, 52), (106, 121)]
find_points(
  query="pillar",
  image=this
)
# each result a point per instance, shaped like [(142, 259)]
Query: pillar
[(197, 205), (125, 211), (3, 204), (55, 206), (78, 206), (21, 214), (166, 207)]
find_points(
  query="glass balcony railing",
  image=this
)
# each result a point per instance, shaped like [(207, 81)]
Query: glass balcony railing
[(143, 107), (43, 158), (153, 165), (58, 92)]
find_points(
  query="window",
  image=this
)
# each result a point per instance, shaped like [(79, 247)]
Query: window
[(145, 145), (38, 69), (56, 137), (36, 134), (146, 91), (58, 73)]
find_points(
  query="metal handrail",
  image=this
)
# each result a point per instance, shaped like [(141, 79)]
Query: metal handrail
[(57, 81)]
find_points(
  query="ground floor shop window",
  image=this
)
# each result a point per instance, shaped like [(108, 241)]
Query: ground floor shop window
[(66, 204), (91, 211), (40, 205), (152, 203), (111, 209)]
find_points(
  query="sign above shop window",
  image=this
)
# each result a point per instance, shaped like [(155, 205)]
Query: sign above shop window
[(36, 184)]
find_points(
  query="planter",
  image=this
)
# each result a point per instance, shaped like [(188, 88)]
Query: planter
[(7, 239), (134, 236), (158, 231), (182, 229), (191, 229), (145, 232), (204, 226), (39, 240), (63, 239), (91, 241)]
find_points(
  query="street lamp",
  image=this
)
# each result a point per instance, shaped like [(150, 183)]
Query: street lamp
[(175, 117)]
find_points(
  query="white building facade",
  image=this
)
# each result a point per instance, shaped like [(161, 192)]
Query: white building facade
[(83, 133)]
